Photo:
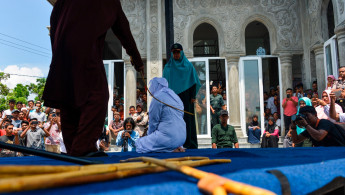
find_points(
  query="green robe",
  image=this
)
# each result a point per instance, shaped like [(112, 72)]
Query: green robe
[(216, 102)]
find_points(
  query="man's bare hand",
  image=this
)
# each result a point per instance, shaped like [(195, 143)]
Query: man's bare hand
[(302, 123), (333, 98)]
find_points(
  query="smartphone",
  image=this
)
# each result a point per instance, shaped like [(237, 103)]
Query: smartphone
[(9, 116), (337, 94), (34, 122), (54, 115), (220, 83), (288, 95)]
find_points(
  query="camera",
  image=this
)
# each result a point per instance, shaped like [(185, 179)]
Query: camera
[(288, 95), (297, 117), (34, 122), (54, 115)]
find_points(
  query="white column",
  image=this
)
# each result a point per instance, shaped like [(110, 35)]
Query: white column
[(154, 41), (320, 68), (131, 87), (340, 32), (286, 72), (233, 92)]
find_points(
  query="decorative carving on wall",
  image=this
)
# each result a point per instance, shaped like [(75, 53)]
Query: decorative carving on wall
[(314, 10), (341, 6), (231, 14), (154, 36), (136, 15), (313, 6)]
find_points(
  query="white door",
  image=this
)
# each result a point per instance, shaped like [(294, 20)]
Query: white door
[(210, 70), (251, 91), (331, 57), (252, 87), (109, 66), (202, 119)]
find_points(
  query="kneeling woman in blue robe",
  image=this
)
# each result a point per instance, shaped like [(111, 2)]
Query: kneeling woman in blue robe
[(167, 129)]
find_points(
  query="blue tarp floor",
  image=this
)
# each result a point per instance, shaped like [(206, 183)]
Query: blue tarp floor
[(307, 170)]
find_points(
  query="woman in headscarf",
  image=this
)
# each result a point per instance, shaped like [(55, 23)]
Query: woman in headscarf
[(302, 102), (330, 82), (324, 106), (254, 131), (167, 129), (184, 81), (271, 135)]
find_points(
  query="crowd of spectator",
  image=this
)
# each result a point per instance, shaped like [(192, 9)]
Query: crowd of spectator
[(328, 107), (39, 127), (32, 126)]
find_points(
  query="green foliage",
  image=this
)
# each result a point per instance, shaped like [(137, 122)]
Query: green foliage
[(37, 88), (21, 91), (4, 76), (4, 90), (3, 103)]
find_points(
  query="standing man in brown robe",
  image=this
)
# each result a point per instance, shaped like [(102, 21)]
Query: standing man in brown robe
[(77, 82)]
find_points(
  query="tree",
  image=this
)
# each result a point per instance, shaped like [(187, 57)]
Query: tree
[(4, 90), (37, 88), (21, 91)]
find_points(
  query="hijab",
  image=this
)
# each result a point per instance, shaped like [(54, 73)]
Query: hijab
[(307, 103), (271, 128), (159, 84), (254, 123), (181, 74), (333, 79)]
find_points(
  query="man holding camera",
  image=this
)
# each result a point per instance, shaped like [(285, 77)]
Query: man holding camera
[(53, 126), (34, 135), (289, 106), (322, 132)]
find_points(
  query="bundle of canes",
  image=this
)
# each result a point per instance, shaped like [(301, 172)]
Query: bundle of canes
[(208, 182), (32, 177)]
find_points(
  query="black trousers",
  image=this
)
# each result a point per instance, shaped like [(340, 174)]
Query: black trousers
[(269, 142), (83, 126), (287, 123)]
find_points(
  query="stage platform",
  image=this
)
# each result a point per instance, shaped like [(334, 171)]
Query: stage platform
[(307, 170)]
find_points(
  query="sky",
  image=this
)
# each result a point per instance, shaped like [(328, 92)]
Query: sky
[(24, 40)]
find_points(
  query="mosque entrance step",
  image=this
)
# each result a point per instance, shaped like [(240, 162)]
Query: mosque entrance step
[(243, 143)]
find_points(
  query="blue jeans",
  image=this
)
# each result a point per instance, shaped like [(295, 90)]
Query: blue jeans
[(254, 136)]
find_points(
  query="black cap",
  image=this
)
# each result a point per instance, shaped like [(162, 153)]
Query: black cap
[(13, 111), (177, 46), (224, 112)]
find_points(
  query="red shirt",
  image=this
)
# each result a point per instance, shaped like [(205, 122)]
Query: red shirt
[(290, 108), (2, 132)]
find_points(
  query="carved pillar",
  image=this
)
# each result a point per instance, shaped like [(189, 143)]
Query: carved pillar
[(340, 32), (320, 68), (233, 92), (286, 72), (154, 41), (131, 86)]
